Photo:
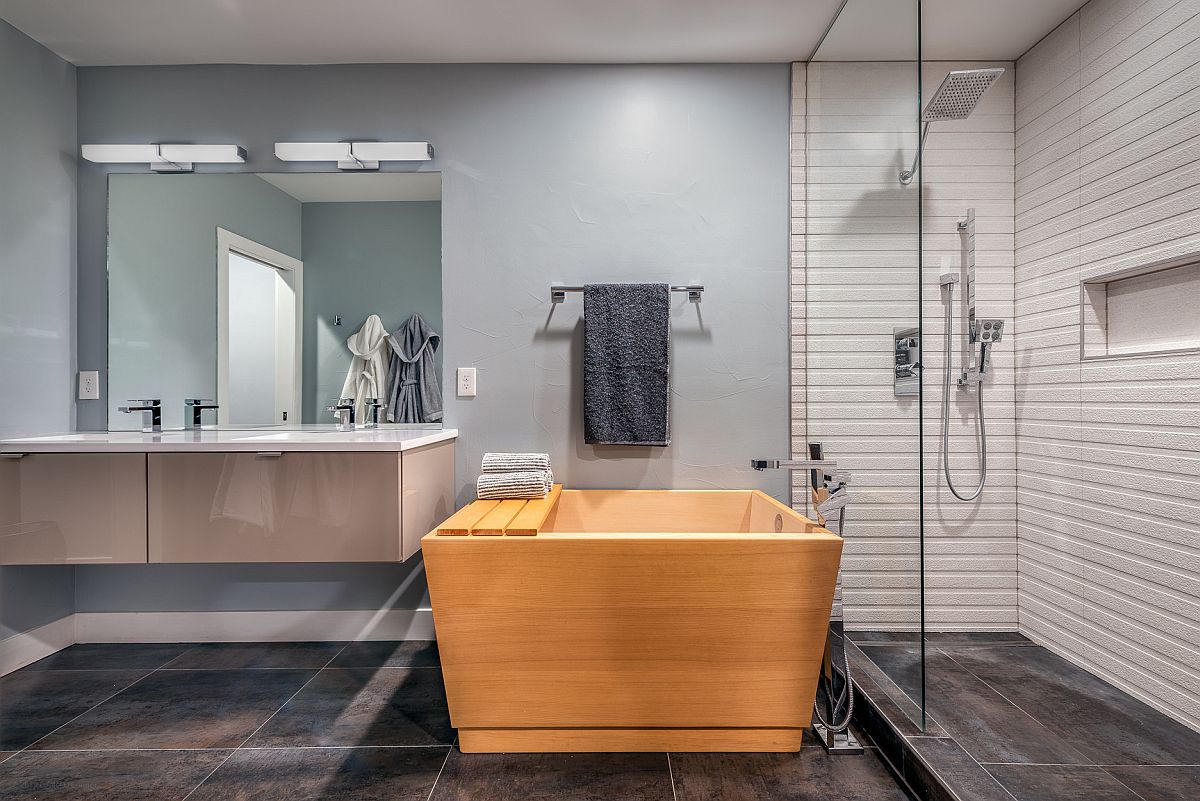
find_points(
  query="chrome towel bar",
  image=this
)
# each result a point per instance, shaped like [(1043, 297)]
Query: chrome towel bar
[(559, 293)]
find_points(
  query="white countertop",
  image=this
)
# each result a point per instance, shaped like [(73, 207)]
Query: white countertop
[(305, 438)]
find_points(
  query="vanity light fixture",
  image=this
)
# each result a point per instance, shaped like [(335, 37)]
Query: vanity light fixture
[(354, 155), (164, 157)]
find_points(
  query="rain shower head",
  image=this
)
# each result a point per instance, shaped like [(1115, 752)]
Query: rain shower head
[(955, 99), (958, 95)]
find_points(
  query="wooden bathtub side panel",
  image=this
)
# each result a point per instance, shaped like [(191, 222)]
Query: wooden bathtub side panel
[(631, 632)]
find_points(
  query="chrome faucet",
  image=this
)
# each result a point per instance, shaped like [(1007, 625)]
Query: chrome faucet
[(823, 475), (344, 410), (151, 409), (193, 412), (373, 407), (794, 464)]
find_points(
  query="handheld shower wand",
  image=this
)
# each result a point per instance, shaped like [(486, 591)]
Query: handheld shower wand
[(982, 333)]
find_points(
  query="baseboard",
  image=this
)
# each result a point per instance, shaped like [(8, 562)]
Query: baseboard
[(286, 626), (28, 647)]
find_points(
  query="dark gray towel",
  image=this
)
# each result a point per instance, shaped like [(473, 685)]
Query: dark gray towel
[(627, 364)]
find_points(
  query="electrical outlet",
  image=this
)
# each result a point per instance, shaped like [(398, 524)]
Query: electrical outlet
[(89, 385), (466, 382)]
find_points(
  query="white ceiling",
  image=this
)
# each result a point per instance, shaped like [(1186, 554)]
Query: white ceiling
[(951, 30), (337, 187), (98, 32)]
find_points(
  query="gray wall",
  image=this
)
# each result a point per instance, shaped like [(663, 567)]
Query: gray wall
[(549, 173), (162, 280), (37, 271), (365, 258)]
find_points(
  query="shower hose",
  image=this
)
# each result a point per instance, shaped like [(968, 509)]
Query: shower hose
[(846, 696), (980, 425)]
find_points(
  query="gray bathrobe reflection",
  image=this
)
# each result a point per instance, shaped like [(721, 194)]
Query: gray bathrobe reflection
[(413, 392)]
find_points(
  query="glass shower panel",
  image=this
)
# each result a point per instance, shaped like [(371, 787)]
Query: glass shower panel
[(858, 305)]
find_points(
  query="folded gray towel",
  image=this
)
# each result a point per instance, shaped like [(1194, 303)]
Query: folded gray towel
[(527, 484), (515, 462), (627, 364)]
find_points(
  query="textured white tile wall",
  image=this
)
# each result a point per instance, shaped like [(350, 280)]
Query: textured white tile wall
[(1108, 496), (854, 260)]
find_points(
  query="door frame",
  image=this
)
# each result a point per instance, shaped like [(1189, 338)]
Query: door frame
[(292, 272)]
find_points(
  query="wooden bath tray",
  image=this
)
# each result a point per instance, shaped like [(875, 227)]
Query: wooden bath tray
[(515, 517)]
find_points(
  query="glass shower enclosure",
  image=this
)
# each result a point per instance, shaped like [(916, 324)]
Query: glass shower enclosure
[(860, 285)]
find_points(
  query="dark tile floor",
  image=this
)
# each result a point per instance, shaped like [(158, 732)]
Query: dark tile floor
[(332, 721), (1011, 720)]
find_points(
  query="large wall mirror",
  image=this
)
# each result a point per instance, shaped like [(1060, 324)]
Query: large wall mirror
[(252, 290)]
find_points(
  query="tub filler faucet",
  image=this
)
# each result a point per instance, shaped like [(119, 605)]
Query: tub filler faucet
[(829, 497), (823, 475)]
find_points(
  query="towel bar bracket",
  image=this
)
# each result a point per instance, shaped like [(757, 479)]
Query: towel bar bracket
[(558, 294)]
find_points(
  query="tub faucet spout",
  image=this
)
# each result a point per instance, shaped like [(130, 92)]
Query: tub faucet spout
[(794, 464), (828, 484)]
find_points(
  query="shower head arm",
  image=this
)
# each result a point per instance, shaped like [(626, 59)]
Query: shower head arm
[(906, 176)]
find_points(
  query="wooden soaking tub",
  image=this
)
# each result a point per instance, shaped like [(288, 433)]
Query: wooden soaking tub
[(601, 620)]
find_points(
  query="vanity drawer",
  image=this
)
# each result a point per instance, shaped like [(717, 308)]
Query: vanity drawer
[(72, 508), (289, 507)]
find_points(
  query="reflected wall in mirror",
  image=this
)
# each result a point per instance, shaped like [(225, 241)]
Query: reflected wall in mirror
[(244, 288)]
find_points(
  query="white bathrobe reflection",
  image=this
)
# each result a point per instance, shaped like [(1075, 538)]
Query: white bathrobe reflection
[(367, 377)]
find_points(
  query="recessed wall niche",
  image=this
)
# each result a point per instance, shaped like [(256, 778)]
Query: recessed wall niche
[(1142, 311)]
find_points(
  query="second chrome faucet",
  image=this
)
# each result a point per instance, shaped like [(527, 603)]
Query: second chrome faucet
[(344, 410)]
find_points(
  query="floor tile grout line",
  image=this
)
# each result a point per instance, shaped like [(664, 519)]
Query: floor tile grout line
[(949, 787), (271, 717), (292, 697), (1123, 784), (105, 700), (220, 765), (1017, 706), (671, 773), (438, 777)]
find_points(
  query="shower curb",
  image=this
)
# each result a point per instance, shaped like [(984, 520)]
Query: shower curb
[(892, 737)]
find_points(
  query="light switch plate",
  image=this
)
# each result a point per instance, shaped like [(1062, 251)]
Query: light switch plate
[(89, 385), (466, 382)]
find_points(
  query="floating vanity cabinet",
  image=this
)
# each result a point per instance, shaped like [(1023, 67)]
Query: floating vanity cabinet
[(218, 496), (296, 506), (72, 508)]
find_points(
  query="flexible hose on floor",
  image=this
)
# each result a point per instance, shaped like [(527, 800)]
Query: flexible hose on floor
[(980, 424), (846, 696)]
